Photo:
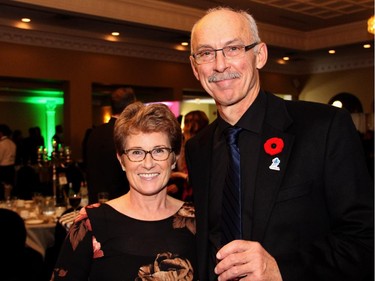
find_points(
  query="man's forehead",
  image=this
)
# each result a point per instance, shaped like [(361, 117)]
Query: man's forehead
[(220, 32), (220, 17)]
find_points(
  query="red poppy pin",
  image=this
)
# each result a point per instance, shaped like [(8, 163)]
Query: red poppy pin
[(274, 146)]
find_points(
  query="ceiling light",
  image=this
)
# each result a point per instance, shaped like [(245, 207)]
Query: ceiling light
[(367, 46), (26, 20), (371, 25), (115, 33), (286, 58), (337, 103), (332, 52), (185, 43)]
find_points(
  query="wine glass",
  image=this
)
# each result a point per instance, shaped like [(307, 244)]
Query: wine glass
[(74, 200)]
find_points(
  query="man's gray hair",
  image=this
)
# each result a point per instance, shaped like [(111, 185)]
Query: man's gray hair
[(249, 18)]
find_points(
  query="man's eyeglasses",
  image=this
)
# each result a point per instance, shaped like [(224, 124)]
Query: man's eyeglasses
[(158, 154), (209, 55)]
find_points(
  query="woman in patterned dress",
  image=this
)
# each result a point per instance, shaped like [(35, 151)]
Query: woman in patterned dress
[(145, 234)]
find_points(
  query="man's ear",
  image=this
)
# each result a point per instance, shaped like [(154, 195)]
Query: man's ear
[(261, 55), (194, 67)]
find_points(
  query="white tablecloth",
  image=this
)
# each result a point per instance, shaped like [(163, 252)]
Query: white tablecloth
[(40, 236)]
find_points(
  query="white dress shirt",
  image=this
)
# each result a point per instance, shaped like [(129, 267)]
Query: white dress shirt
[(7, 151)]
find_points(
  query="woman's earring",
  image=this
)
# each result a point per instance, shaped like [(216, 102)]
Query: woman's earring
[(173, 165)]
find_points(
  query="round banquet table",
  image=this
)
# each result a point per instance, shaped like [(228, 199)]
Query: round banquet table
[(40, 236), (40, 228)]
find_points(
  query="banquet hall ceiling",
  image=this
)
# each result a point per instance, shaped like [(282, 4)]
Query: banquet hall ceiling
[(304, 15), (301, 29)]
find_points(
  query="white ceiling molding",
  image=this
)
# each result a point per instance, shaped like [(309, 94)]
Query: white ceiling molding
[(313, 40), (332, 65), (336, 36), (49, 40), (136, 49)]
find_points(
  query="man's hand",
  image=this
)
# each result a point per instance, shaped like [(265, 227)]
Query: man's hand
[(246, 260)]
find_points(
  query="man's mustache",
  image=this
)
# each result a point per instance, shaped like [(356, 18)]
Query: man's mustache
[(223, 76)]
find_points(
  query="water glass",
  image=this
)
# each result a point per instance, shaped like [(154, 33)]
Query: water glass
[(48, 208)]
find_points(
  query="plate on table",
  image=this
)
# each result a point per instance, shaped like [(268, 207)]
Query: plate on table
[(34, 221)]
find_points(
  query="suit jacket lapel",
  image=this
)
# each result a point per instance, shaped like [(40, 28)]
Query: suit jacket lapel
[(268, 181)]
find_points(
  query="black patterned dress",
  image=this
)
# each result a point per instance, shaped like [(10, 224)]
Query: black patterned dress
[(104, 244)]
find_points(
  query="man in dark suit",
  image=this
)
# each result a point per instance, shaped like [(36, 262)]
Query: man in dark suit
[(104, 173), (306, 197)]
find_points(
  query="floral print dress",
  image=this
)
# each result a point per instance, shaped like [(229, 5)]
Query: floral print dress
[(104, 244)]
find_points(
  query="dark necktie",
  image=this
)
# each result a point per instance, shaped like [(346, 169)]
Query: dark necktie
[(231, 207)]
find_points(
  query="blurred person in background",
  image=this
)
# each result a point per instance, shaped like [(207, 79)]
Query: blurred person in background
[(194, 122), (18, 139), (104, 173), (7, 159), (31, 144), (18, 261), (58, 137)]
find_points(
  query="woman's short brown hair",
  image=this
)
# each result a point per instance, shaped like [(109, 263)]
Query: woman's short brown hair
[(138, 117)]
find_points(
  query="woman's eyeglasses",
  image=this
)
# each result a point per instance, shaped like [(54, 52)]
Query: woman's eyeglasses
[(138, 155)]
